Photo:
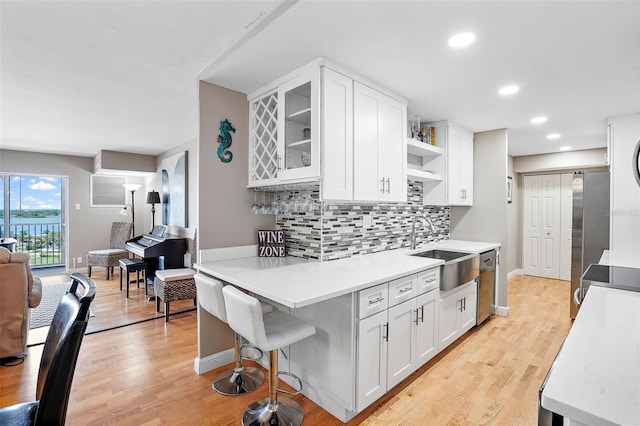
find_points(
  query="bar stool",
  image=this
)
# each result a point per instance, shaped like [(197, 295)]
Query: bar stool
[(133, 265), (270, 333), (240, 379)]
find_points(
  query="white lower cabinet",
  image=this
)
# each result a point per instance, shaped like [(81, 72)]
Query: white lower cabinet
[(427, 327), (394, 343), (372, 359), (457, 313)]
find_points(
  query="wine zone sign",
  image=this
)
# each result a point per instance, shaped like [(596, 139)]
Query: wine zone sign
[(271, 244)]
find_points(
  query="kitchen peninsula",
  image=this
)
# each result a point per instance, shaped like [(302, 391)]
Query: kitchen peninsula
[(595, 379), (341, 298)]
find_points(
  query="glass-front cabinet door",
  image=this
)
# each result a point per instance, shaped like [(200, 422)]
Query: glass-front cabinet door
[(298, 131)]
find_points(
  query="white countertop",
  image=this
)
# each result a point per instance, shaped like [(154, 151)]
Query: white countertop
[(296, 282), (596, 377), (629, 259)]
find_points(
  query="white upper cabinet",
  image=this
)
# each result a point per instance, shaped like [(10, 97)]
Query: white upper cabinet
[(298, 142), (321, 123), (380, 152), (337, 137), (455, 167), (284, 141)]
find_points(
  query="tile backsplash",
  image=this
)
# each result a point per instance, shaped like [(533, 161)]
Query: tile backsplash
[(334, 230)]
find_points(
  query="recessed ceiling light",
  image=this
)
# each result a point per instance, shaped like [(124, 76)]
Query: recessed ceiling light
[(538, 120), (553, 135), (565, 148), (462, 40), (509, 90)]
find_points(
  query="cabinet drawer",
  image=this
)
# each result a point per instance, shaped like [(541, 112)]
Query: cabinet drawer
[(373, 300), (428, 280), (403, 289)]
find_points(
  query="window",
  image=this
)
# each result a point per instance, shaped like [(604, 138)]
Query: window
[(32, 213)]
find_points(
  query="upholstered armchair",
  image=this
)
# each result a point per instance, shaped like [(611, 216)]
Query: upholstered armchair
[(109, 258), (19, 291)]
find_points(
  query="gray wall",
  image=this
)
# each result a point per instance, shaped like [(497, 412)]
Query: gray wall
[(223, 202), (225, 219), (486, 219), (89, 227), (513, 258)]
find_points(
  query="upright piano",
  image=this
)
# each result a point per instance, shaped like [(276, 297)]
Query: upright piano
[(159, 250)]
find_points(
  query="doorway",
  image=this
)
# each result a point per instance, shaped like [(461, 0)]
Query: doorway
[(547, 225)]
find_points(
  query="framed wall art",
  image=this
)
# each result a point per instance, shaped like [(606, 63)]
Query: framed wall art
[(174, 190)]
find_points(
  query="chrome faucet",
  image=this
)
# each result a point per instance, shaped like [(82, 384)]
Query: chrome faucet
[(413, 228)]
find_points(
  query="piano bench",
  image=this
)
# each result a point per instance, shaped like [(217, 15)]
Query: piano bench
[(127, 266), (171, 285)]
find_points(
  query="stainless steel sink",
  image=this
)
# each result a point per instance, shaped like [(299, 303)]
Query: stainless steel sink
[(459, 268)]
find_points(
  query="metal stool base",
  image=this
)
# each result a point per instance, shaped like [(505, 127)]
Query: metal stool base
[(285, 412), (238, 381)]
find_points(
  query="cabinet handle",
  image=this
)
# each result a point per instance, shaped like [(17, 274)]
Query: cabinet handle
[(404, 290), (464, 303), (385, 336), (417, 317), (388, 185), (430, 280), (422, 313), (376, 301), (382, 182), (278, 158), (460, 305)]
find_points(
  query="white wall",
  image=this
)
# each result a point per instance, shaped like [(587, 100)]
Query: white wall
[(560, 161)]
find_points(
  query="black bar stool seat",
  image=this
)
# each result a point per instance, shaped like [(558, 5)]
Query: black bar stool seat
[(127, 266)]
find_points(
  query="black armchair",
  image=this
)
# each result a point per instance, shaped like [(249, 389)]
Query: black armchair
[(58, 362)]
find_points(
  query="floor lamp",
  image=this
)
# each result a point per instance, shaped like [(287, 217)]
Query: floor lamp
[(153, 198), (131, 187)]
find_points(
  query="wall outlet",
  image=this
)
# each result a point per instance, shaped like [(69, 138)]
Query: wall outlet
[(77, 206), (367, 221), (79, 259)]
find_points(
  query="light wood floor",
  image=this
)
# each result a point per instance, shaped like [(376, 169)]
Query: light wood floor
[(143, 374), (110, 307)]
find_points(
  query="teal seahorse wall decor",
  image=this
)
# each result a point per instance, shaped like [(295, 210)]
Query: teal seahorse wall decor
[(224, 139)]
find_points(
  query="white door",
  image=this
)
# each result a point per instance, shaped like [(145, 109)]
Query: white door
[(401, 348), (372, 359), (337, 136), (541, 225), (448, 320), (427, 328), (550, 220), (566, 216), (467, 308), (366, 132), (531, 225), (392, 152)]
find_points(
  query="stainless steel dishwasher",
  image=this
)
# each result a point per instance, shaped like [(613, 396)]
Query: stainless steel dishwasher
[(486, 285)]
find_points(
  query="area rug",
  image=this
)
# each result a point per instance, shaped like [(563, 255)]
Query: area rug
[(41, 315)]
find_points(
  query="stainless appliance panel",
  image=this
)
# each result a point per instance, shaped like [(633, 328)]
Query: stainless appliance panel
[(590, 226), (486, 285)]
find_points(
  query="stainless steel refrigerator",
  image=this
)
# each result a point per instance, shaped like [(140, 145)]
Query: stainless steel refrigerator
[(590, 226)]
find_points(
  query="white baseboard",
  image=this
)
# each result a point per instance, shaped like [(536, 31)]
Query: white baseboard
[(211, 362), (515, 273), (502, 311)]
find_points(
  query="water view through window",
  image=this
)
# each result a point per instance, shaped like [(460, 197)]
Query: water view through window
[(35, 216)]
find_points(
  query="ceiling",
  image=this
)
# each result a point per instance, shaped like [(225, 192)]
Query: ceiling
[(78, 77)]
